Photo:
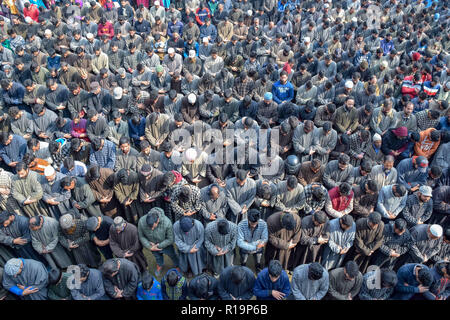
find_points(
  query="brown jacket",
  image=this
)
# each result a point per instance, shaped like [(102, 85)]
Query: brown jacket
[(279, 238)]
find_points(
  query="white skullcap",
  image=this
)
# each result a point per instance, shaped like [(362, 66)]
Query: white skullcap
[(48, 31), (49, 171), (354, 19), (349, 84), (249, 12), (192, 98), (307, 39), (156, 3), (171, 50), (376, 137), (384, 63), (436, 230), (205, 39), (191, 53), (191, 154), (28, 19), (89, 35)]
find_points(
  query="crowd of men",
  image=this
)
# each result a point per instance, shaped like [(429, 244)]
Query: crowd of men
[(278, 149)]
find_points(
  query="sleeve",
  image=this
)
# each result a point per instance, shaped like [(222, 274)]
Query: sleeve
[(259, 290), (332, 291), (169, 238), (324, 284), (242, 244), (298, 295)]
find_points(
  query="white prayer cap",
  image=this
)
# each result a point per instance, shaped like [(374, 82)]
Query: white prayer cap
[(49, 171), (326, 5), (118, 93), (349, 84), (28, 19), (156, 3), (436, 230), (376, 137), (48, 31), (191, 154), (89, 35), (192, 98), (307, 39), (249, 12), (205, 39), (354, 19), (191, 53), (384, 63), (171, 50)]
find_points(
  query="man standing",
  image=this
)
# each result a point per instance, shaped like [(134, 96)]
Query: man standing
[(220, 242), (345, 282), (342, 234), (75, 237), (413, 278), (14, 233), (91, 285), (241, 192), (272, 283), (26, 278), (189, 236), (27, 190), (99, 228), (120, 278), (310, 282), (252, 238), (156, 234), (284, 233), (419, 207), (368, 238), (314, 234), (45, 240), (124, 242), (236, 283), (397, 241)]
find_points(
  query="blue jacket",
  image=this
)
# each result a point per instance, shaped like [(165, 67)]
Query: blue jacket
[(264, 286), (14, 151), (282, 92), (54, 62), (154, 293), (386, 46), (14, 96), (443, 124), (410, 176), (406, 275), (136, 131), (172, 28), (208, 31)]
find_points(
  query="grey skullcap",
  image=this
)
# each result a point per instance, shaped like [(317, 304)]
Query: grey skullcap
[(91, 223), (66, 221)]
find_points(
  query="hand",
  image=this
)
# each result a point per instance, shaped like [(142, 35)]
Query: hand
[(419, 222), (349, 132), (128, 254), (350, 296), (278, 295), (244, 209), (193, 250), (422, 289), (128, 202), (155, 248), (20, 286), (20, 241), (261, 245), (291, 244), (72, 245), (212, 217), (322, 240), (30, 290), (77, 206), (13, 164), (415, 188)]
